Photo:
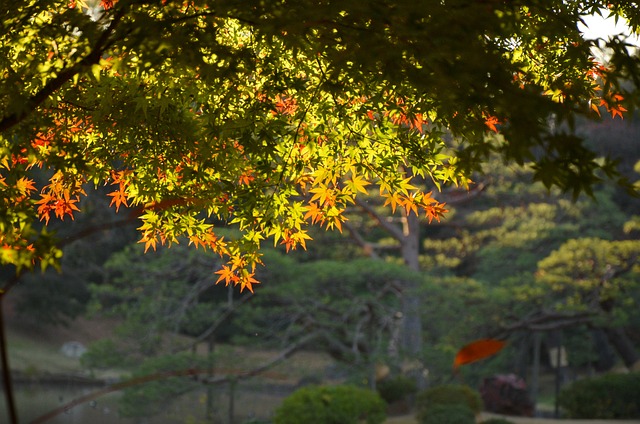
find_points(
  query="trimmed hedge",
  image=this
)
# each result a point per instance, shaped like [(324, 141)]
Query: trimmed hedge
[(393, 389), (606, 397), (448, 414), (331, 405), (448, 394)]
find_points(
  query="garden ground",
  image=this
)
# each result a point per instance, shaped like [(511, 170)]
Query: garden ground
[(35, 350)]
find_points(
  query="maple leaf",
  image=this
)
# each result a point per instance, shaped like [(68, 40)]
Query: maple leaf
[(206, 240), (246, 177), (491, 122), (227, 275), (594, 107), (25, 185), (326, 196), (247, 281), (613, 105), (291, 241), (314, 212), (477, 350), (107, 4), (44, 208), (357, 184), (394, 200), (334, 218), (617, 111), (118, 198), (435, 212), (409, 204), (150, 240)]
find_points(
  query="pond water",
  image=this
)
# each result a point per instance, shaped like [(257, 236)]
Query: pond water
[(35, 400), (250, 401)]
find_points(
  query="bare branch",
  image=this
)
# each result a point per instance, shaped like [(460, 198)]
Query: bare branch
[(392, 229)]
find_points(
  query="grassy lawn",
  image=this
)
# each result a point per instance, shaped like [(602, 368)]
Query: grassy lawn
[(32, 356)]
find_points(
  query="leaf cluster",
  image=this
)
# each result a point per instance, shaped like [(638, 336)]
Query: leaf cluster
[(271, 116)]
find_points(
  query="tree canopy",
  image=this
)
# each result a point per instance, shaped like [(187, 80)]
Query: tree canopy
[(270, 116)]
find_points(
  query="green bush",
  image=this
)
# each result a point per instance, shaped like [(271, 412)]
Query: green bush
[(496, 421), (448, 414), (606, 397), (331, 405), (393, 389), (103, 354), (448, 394)]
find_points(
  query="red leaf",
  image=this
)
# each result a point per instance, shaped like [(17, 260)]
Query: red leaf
[(107, 4), (476, 351)]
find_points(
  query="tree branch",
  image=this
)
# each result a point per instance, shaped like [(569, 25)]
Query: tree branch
[(217, 323), (92, 58), (393, 230), (546, 321)]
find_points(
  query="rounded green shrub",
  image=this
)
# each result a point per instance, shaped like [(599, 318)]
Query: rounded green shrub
[(448, 414), (331, 405), (448, 394), (610, 396), (393, 389)]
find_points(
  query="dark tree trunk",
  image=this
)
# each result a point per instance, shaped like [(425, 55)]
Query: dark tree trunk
[(412, 324), (606, 357), (623, 346)]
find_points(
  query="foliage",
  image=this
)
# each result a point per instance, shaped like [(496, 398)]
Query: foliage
[(456, 310), (447, 395), (448, 414), (104, 353), (591, 271), (153, 397), (398, 387), (499, 246), (496, 421), (331, 404), (170, 291), (348, 305), (59, 296), (278, 115), (611, 396)]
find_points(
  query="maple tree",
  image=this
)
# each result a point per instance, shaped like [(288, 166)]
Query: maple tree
[(271, 116)]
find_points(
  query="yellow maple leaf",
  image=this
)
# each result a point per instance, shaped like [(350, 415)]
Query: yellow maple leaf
[(394, 200), (357, 184)]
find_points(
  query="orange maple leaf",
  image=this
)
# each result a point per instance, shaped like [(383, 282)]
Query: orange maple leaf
[(118, 197), (227, 275), (65, 205), (107, 4), (617, 110), (476, 351), (314, 212), (246, 177), (150, 240), (491, 122), (613, 105), (247, 281), (45, 207)]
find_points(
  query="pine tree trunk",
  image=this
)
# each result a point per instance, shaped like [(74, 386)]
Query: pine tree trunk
[(621, 343), (412, 328)]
